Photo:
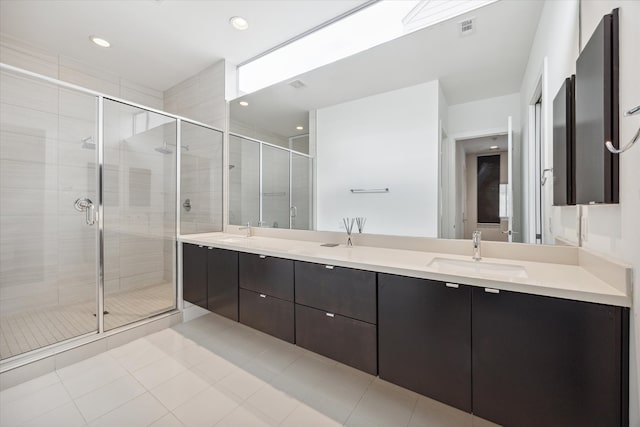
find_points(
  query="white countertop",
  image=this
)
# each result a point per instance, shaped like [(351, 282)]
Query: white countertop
[(538, 278)]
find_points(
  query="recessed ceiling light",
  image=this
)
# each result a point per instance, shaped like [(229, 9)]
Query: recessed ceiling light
[(239, 23), (100, 41), (493, 147), (243, 103), (299, 127)]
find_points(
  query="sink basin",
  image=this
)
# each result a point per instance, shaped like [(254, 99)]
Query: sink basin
[(448, 265)]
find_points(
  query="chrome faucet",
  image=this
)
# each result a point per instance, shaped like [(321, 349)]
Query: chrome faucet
[(476, 238), (246, 227)]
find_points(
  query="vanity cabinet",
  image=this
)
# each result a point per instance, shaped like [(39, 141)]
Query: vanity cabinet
[(541, 361), (266, 295), (336, 313), (424, 332), (194, 274), (222, 282), (210, 279)]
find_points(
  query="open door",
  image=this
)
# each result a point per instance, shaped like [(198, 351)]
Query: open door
[(510, 179)]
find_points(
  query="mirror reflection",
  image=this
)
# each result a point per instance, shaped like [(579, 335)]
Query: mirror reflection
[(427, 129)]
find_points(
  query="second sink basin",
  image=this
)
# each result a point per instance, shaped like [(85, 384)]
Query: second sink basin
[(449, 265)]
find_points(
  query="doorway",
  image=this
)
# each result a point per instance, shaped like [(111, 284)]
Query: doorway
[(483, 173)]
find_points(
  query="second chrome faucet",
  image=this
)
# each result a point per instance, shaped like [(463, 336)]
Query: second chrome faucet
[(476, 239)]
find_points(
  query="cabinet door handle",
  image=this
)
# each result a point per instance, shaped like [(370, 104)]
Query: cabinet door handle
[(262, 256), (263, 296), (452, 285), (210, 247), (329, 267), (330, 314), (200, 246), (492, 291)]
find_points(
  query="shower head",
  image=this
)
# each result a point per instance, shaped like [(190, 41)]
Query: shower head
[(88, 143), (166, 150)]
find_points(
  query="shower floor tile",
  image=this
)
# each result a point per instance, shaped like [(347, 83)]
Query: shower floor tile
[(32, 329)]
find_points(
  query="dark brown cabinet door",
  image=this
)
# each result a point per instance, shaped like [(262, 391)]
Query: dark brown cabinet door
[(222, 282), (344, 291), (194, 274), (346, 340), (540, 361), (267, 275), (267, 314), (596, 115), (424, 333)]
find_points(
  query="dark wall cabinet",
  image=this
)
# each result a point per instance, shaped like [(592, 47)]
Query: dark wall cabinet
[(336, 313), (266, 295), (540, 361), (424, 330), (564, 176), (210, 279), (597, 115)]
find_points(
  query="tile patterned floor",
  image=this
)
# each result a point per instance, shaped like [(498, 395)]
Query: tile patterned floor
[(28, 330), (215, 372)]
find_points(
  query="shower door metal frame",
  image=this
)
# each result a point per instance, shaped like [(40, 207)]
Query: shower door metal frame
[(260, 170), (68, 344)]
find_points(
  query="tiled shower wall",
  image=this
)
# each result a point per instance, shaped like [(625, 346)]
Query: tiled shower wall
[(201, 98), (49, 259)]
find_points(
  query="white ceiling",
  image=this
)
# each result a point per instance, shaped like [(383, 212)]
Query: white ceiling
[(491, 62), (159, 43), (481, 145)]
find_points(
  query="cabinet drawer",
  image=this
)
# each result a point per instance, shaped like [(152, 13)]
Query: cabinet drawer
[(339, 290), (267, 314), (346, 340), (267, 275), (194, 274)]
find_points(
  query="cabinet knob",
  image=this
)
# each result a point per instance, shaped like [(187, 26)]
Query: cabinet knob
[(262, 256), (330, 314), (452, 285), (263, 296), (329, 267), (492, 291)]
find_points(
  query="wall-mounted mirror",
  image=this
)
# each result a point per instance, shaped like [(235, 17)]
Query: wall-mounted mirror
[(425, 128)]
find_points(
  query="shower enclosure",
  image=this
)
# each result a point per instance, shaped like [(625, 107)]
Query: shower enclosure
[(91, 203), (269, 186)]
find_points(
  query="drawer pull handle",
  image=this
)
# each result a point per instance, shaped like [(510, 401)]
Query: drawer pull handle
[(452, 285), (262, 256), (492, 291), (329, 267), (330, 314), (263, 296), (210, 247), (200, 246)]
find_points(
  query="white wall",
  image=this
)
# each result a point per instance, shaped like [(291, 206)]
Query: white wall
[(610, 229), (386, 140)]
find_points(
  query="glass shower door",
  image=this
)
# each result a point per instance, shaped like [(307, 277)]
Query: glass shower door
[(48, 232), (139, 213), (275, 187), (301, 191)]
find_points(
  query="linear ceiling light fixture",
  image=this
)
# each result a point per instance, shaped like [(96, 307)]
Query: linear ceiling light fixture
[(372, 24)]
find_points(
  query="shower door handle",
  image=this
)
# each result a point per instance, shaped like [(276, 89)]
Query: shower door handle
[(86, 205)]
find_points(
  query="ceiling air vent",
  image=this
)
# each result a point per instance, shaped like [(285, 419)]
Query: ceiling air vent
[(298, 84), (467, 26)]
